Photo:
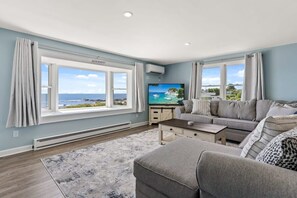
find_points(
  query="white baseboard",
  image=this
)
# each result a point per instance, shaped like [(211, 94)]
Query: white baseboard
[(139, 124), (16, 150)]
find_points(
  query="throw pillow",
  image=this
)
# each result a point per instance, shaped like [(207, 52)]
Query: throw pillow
[(188, 106), (279, 110), (281, 151), (266, 130), (201, 107)]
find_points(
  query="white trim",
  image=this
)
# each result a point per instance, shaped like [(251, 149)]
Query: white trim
[(139, 124), (15, 150), (81, 114)]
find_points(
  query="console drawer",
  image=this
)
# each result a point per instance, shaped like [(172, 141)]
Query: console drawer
[(172, 129), (199, 135)]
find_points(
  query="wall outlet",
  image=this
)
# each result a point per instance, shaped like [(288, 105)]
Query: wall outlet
[(136, 115), (15, 133)]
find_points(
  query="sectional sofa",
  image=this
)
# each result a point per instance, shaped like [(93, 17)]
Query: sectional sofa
[(241, 118), (188, 168)]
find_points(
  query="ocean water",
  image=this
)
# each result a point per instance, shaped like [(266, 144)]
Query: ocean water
[(75, 99), (162, 98)]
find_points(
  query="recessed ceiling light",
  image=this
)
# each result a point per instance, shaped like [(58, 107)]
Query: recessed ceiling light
[(188, 43), (128, 14)]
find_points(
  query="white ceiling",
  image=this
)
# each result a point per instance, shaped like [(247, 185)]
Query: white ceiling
[(159, 28)]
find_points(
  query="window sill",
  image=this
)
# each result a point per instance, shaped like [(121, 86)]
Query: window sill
[(77, 114)]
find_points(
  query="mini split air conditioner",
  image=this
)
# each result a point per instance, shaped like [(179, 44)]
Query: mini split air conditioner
[(150, 68)]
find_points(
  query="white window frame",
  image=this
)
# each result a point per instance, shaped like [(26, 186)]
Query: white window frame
[(223, 73), (68, 60)]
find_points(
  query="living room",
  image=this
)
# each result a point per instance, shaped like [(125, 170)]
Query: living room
[(91, 92)]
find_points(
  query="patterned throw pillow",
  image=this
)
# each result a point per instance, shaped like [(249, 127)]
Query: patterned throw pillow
[(188, 104), (281, 151), (266, 130), (201, 107)]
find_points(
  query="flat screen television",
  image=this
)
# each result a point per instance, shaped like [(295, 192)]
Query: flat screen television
[(166, 93)]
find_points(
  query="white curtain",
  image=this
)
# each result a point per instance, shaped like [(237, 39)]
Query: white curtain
[(139, 87), (24, 109), (253, 86), (195, 81)]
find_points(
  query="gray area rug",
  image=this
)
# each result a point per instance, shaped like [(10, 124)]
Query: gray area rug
[(102, 170)]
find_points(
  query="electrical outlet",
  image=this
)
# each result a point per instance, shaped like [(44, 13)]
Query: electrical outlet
[(136, 115), (15, 133)]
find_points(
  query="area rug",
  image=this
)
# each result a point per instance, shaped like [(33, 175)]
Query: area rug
[(102, 170)]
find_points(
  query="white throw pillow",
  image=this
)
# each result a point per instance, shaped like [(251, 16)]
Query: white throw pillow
[(201, 107), (266, 130), (281, 110)]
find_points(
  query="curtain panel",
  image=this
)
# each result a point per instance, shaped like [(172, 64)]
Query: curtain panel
[(253, 86), (24, 107), (139, 87), (195, 81)]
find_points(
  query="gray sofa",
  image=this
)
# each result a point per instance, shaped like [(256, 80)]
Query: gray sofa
[(188, 168), (241, 118)]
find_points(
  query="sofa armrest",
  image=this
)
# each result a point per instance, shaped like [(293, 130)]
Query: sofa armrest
[(178, 111), (222, 175)]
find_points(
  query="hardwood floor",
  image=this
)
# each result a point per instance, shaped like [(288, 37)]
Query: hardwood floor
[(23, 175)]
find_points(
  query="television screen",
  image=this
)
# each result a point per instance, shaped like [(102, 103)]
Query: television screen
[(166, 94)]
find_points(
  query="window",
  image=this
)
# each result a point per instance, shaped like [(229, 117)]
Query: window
[(211, 82), (69, 87), (224, 80), (120, 88)]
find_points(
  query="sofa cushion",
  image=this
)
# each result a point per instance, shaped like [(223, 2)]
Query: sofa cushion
[(201, 107), (266, 130), (214, 106), (262, 107), (197, 118), (281, 151), (171, 169), (245, 125), (244, 110), (188, 104)]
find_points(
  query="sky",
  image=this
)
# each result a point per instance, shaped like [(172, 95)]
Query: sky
[(211, 76), (73, 80), (163, 87)]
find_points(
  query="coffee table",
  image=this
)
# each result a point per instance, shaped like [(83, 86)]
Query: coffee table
[(180, 128)]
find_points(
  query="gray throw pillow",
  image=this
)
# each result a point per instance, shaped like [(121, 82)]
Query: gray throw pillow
[(281, 110), (281, 151), (188, 106)]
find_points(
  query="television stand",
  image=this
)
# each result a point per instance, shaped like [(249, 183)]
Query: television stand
[(158, 113)]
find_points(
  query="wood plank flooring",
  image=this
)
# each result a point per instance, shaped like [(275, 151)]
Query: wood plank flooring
[(24, 176)]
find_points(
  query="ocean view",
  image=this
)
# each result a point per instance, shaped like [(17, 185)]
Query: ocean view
[(78, 99)]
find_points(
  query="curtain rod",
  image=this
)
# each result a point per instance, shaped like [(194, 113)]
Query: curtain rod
[(84, 55), (226, 59)]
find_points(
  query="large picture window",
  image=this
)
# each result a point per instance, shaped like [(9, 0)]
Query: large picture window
[(75, 87), (223, 80)]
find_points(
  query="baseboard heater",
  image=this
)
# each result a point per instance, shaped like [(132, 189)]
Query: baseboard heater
[(42, 143)]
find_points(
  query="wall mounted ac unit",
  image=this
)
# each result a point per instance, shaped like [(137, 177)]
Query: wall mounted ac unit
[(150, 68)]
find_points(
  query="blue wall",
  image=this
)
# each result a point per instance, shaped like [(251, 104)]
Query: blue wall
[(280, 72), (26, 135)]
